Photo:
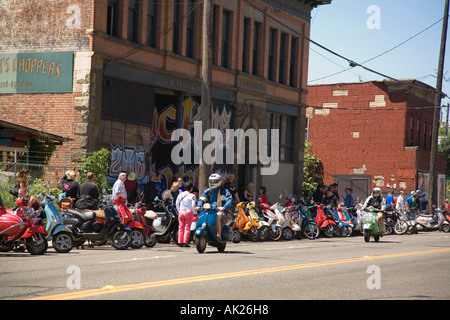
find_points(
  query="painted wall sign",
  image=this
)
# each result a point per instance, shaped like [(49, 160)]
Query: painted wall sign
[(36, 72)]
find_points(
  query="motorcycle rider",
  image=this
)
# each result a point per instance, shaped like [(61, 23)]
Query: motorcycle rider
[(219, 198), (377, 201)]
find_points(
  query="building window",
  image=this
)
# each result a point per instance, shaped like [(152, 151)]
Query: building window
[(255, 51), (176, 28), (282, 64), (292, 69), (112, 27), (214, 35), (133, 20), (271, 58), (152, 10), (190, 31), (246, 46), (226, 38), (285, 125)]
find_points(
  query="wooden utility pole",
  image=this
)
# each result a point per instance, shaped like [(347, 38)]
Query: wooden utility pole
[(204, 170), (437, 108)]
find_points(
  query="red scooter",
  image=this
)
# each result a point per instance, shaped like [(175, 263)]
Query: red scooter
[(150, 239), (137, 230), (21, 228), (325, 222)]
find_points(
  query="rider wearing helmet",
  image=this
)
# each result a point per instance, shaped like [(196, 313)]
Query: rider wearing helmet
[(219, 198), (377, 201)]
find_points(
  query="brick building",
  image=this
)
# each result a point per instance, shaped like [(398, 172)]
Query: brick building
[(375, 133), (123, 74)]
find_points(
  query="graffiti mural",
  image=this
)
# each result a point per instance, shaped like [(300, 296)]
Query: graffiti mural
[(164, 123), (128, 159)]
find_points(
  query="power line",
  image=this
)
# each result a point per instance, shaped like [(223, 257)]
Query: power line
[(351, 62), (381, 54)]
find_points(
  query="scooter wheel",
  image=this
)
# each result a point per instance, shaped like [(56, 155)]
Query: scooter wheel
[(200, 243), (236, 236), (62, 242), (366, 236), (35, 248), (121, 239), (150, 240)]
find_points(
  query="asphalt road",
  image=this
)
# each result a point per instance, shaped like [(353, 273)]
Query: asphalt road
[(398, 267)]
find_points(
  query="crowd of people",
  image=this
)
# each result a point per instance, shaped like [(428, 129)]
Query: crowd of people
[(417, 201)]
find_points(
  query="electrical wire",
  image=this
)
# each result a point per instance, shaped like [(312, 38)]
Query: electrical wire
[(381, 54), (351, 62)]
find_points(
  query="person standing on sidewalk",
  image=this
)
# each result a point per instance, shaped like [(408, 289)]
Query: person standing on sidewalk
[(185, 205)]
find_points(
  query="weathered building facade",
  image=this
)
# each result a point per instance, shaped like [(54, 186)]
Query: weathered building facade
[(374, 134), (134, 77)]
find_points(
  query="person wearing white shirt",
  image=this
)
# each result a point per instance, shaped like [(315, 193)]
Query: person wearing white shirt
[(400, 206), (119, 186), (185, 204)]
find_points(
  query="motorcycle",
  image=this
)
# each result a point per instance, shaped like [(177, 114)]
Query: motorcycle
[(243, 225), (206, 232), (166, 227), (263, 226), (275, 229), (405, 223), (390, 220), (60, 235), (137, 230), (22, 228), (326, 223), (370, 225), (431, 222), (86, 226)]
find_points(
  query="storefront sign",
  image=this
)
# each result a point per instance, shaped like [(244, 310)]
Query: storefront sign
[(36, 72)]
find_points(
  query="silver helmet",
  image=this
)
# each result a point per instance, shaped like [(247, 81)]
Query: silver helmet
[(215, 181)]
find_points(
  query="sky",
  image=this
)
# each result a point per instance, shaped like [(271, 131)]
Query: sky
[(362, 29)]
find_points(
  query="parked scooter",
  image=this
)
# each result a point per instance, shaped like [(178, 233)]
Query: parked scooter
[(263, 226), (166, 227), (22, 228), (126, 218), (60, 235), (343, 220), (244, 225), (206, 232), (292, 218), (307, 223), (370, 225), (326, 223), (85, 226), (149, 237), (275, 229), (431, 222), (287, 233)]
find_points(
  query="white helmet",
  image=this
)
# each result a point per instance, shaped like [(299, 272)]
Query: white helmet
[(376, 190), (215, 181)]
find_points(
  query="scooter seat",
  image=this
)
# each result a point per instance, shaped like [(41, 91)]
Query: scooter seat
[(151, 215), (83, 215)]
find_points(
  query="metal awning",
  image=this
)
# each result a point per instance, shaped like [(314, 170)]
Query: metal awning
[(35, 133)]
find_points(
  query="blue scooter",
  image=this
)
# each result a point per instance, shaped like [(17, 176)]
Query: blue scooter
[(206, 232), (60, 235)]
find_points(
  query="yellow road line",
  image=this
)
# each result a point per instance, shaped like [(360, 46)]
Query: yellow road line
[(163, 283)]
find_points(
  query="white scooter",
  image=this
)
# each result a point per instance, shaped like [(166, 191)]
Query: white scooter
[(288, 233), (431, 222)]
